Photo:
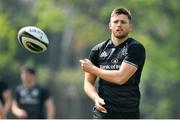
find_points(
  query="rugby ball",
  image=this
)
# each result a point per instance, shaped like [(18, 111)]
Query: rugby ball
[(33, 39)]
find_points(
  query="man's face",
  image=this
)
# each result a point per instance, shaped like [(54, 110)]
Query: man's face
[(120, 26), (27, 77)]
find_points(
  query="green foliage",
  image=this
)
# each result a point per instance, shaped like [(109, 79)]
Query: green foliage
[(71, 76), (84, 34), (7, 42), (75, 26), (49, 15)]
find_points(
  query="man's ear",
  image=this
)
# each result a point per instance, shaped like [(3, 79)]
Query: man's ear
[(110, 27)]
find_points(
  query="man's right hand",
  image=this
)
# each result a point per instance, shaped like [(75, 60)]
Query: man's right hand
[(1, 114), (99, 103), (22, 114)]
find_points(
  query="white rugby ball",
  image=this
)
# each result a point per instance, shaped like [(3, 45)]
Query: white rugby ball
[(33, 39)]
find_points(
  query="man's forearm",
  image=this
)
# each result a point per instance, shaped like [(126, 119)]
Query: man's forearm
[(113, 76), (119, 77), (91, 91), (50, 108)]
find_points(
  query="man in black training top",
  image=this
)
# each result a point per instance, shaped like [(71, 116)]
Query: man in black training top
[(118, 62), (32, 101)]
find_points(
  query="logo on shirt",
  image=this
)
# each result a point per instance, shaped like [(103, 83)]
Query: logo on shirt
[(23, 92), (103, 54), (110, 67), (35, 93), (124, 51), (114, 61), (29, 96)]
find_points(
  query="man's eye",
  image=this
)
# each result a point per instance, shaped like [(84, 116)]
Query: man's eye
[(123, 22), (116, 21)]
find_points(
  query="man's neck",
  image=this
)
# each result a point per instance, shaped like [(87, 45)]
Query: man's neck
[(29, 85), (117, 41)]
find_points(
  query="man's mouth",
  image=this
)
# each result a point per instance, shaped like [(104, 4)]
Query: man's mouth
[(119, 29)]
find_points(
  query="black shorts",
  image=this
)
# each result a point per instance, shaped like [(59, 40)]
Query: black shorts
[(100, 115)]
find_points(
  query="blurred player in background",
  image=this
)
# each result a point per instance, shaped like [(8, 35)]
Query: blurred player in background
[(5, 99), (118, 62), (32, 101)]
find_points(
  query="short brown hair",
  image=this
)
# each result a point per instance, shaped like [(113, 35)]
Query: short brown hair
[(122, 10), (28, 69)]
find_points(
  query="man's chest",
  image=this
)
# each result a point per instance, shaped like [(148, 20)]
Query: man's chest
[(29, 96), (111, 58)]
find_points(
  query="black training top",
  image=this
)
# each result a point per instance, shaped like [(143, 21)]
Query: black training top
[(32, 100), (119, 98), (3, 87)]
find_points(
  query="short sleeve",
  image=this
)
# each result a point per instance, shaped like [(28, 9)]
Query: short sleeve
[(45, 94), (136, 55), (93, 56), (16, 95)]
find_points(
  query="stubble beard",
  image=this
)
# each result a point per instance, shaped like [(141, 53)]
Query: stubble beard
[(122, 36)]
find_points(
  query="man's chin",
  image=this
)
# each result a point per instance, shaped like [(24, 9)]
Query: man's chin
[(121, 37)]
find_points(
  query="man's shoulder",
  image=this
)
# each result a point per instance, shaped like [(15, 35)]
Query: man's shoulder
[(134, 42), (101, 45), (37, 86), (42, 88), (19, 87)]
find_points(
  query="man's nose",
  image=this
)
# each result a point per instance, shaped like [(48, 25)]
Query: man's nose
[(119, 24)]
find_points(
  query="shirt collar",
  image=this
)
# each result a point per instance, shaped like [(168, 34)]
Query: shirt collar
[(110, 43)]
